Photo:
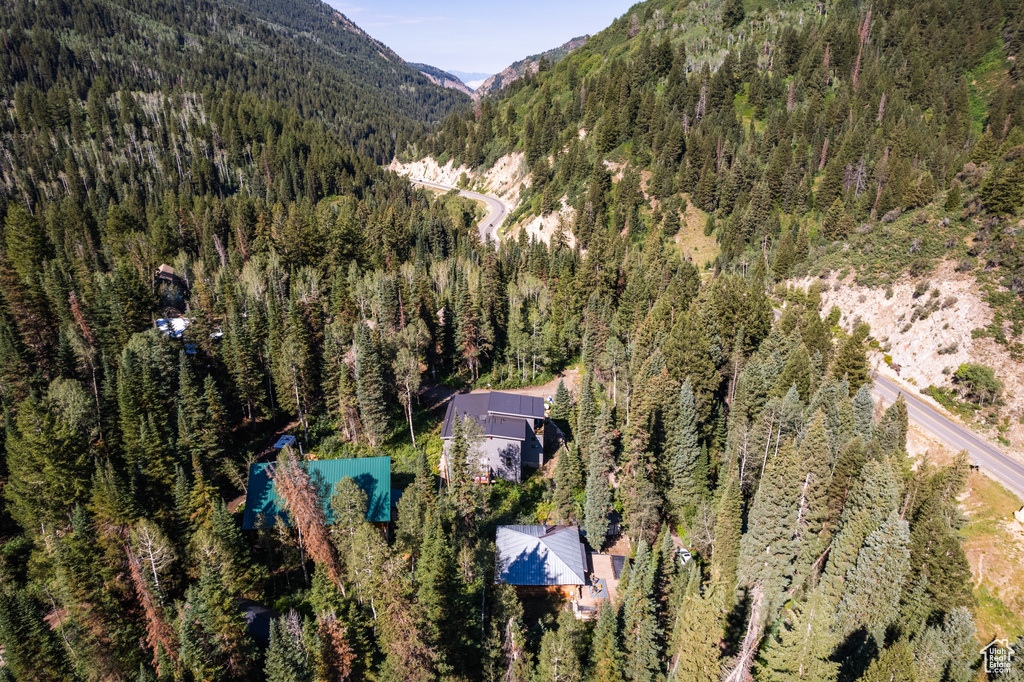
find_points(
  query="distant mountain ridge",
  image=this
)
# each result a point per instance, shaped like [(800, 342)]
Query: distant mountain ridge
[(519, 69), (442, 77)]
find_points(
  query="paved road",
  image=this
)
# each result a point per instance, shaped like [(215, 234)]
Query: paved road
[(1000, 466), (497, 209)]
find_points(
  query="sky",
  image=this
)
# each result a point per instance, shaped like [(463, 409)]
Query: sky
[(478, 36)]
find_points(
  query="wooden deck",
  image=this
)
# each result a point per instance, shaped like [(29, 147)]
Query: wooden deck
[(587, 606)]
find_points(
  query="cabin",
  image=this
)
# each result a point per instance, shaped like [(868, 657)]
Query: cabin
[(540, 561), (510, 434), (265, 509)]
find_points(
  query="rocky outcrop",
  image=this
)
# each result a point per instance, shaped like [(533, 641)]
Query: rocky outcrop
[(525, 66), (442, 78)]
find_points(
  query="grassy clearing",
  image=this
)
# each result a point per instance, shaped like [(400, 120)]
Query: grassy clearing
[(991, 74), (691, 240), (995, 549)]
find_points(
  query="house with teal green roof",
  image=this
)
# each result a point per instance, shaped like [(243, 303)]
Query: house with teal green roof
[(263, 507)]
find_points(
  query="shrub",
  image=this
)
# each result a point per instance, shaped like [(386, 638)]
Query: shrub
[(888, 291), (966, 264), (922, 288), (891, 215), (978, 382), (950, 349), (949, 302)]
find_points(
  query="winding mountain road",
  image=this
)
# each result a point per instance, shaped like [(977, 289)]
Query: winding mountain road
[(497, 209), (999, 465)]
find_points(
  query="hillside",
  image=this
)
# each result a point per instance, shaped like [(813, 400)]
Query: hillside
[(201, 253), (842, 141), (361, 89), (442, 78), (530, 64)]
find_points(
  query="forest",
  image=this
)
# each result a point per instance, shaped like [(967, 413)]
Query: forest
[(329, 299)]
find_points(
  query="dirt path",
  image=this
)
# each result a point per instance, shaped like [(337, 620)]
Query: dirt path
[(571, 377)]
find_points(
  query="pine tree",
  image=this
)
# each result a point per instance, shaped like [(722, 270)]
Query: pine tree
[(689, 471), (732, 13), (802, 647), (441, 599), (232, 551), (698, 636), (830, 225), (598, 491), (728, 532), (47, 465), (894, 664), (812, 504), (796, 372), (863, 411), (563, 651), (851, 361), (873, 497), (373, 410), (893, 427), (286, 657), (31, 649), (214, 645), (568, 481), (607, 650), (414, 505), (586, 416), (640, 633), (953, 200), (561, 408), (873, 588)]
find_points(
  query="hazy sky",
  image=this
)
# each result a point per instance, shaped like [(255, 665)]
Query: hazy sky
[(483, 36)]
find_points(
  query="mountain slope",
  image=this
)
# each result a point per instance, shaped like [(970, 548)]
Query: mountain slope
[(302, 53), (518, 69), (442, 78)]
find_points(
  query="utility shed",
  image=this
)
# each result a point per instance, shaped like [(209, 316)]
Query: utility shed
[(263, 507), (541, 558)]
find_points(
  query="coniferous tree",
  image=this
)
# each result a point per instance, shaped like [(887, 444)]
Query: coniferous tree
[(863, 410), (698, 636), (802, 647), (286, 657), (561, 408), (851, 361), (874, 586), (640, 633), (373, 410), (414, 505), (211, 630), (728, 534), (568, 481), (689, 471), (440, 598), (598, 491), (894, 664), (607, 650), (562, 655)]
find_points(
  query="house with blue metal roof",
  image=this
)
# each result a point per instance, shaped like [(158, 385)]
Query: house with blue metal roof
[(541, 558), (264, 508), (510, 433)]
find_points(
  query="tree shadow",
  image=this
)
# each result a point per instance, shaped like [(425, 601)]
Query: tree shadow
[(736, 623), (855, 654)]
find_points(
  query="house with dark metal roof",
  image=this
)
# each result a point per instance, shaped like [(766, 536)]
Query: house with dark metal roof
[(541, 557), (264, 508), (510, 433)]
